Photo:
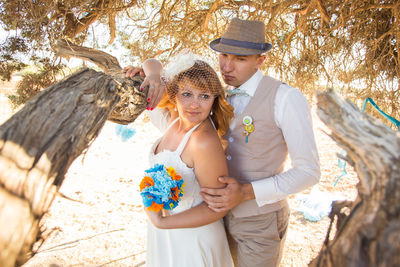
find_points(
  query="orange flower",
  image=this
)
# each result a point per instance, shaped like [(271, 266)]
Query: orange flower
[(171, 172), (177, 177), (175, 193), (146, 182), (155, 207)]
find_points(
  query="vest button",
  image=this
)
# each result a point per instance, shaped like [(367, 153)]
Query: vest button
[(228, 157), (230, 139)]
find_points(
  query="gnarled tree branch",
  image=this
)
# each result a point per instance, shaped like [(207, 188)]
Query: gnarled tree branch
[(369, 235), (39, 143)]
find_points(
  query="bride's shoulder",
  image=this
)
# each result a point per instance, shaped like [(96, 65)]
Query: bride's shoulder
[(205, 138)]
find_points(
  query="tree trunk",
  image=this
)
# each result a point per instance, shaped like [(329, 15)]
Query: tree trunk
[(39, 143), (370, 234)]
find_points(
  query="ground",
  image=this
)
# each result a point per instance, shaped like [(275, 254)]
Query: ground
[(104, 223)]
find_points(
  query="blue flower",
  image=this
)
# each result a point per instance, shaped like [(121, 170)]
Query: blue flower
[(156, 168)]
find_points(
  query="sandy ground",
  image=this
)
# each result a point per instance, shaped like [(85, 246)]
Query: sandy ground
[(106, 226)]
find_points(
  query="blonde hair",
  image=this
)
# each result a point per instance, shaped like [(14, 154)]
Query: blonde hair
[(203, 77)]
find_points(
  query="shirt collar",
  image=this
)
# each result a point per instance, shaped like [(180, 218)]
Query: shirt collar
[(251, 84)]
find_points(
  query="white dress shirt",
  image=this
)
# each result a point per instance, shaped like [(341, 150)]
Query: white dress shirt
[(293, 117)]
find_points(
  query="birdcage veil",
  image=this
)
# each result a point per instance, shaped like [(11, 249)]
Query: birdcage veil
[(191, 70)]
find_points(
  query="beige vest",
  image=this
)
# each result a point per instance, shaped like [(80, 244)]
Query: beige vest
[(264, 153)]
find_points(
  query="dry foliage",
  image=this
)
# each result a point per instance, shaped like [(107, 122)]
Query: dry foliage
[(352, 46), (33, 82)]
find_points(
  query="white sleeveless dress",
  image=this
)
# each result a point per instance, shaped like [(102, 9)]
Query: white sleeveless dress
[(201, 246)]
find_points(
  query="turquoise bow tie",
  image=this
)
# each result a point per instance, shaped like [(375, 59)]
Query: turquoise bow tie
[(236, 91)]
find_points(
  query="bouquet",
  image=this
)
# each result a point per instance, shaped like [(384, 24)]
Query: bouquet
[(161, 188)]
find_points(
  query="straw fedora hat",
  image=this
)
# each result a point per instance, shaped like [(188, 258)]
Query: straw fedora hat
[(243, 37)]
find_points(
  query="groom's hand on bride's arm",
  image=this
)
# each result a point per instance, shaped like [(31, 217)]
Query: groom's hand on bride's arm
[(224, 199)]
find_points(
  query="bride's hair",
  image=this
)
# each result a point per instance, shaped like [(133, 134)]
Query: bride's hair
[(200, 76)]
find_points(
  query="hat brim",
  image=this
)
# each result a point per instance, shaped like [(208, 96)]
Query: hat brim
[(236, 50)]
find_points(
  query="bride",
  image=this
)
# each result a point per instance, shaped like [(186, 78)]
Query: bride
[(197, 116)]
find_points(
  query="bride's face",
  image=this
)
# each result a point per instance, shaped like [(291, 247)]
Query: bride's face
[(192, 104)]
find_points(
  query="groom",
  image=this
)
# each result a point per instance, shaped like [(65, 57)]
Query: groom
[(271, 120)]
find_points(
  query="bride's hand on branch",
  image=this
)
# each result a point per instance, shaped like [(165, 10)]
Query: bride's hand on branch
[(131, 71), (152, 69), (156, 89)]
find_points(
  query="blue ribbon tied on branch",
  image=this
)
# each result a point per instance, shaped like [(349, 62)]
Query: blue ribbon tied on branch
[(342, 164)]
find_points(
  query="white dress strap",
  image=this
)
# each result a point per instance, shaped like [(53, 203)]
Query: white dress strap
[(185, 139), (172, 123)]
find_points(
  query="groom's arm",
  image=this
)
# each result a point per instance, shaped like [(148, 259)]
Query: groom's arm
[(294, 119), (224, 199)]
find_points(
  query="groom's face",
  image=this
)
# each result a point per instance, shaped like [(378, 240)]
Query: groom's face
[(236, 70)]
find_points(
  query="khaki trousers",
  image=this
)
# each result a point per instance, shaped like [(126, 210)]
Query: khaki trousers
[(257, 240)]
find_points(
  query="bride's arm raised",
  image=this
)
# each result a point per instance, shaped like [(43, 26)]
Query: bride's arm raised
[(209, 162), (152, 69)]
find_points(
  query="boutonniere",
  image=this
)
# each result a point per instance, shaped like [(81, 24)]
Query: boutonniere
[(248, 127)]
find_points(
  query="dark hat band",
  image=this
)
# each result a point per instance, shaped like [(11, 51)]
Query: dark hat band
[(245, 44)]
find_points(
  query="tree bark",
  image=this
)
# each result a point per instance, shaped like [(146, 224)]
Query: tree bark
[(39, 143), (370, 234)]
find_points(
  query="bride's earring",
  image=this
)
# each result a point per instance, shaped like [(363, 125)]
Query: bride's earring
[(211, 113)]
